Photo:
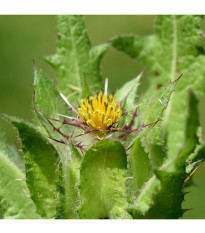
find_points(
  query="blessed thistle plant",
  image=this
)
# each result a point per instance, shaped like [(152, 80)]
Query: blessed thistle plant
[(94, 155)]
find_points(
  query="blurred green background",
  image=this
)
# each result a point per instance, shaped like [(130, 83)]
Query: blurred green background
[(24, 38)]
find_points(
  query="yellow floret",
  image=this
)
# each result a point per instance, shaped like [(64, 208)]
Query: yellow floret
[(99, 111)]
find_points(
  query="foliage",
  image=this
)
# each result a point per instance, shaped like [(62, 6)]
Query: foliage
[(102, 182), (76, 57), (132, 174), (173, 49)]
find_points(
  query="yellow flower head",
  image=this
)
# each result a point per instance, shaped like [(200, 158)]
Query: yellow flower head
[(100, 111)]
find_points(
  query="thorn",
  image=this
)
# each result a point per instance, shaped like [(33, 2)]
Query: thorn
[(60, 141), (189, 176), (74, 87), (68, 103), (69, 117), (129, 147), (133, 118), (185, 210), (110, 42), (162, 103), (139, 128), (94, 149), (106, 86), (56, 129), (64, 123), (34, 95), (81, 134), (178, 77), (125, 112), (85, 79), (187, 192), (72, 94), (202, 35)]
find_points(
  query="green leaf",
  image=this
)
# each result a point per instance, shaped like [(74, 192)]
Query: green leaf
[(102, 182), (151, 110), (129, 89), (1, 213), (140, 169), (168, 195), (198, 154), (167, 200), (162, 195), (86, 90), (172, 50), (12, 154), (141, 186), (192, 125), (144, 201), (173, 175), (15, 202), (67, 185), (47, 103), (69, 191), (128, 93), (75, 56), (41, 167)]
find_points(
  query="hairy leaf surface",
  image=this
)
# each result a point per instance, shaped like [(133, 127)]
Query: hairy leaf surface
[(47, 103), (76, 57), (102, 182), (15, 201), (140, 169), (172, 50), (41, 167), (73, 196), (12, 154), (152, 110), (168, 197)]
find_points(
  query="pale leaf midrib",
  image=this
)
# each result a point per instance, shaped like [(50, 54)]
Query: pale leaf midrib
[(11, 164), (172, 74), (145, 189), (174, 52), (101, 190), (76, 63)]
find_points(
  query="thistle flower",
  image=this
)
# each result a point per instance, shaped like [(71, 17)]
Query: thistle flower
[(99, 112), (99, 116)]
